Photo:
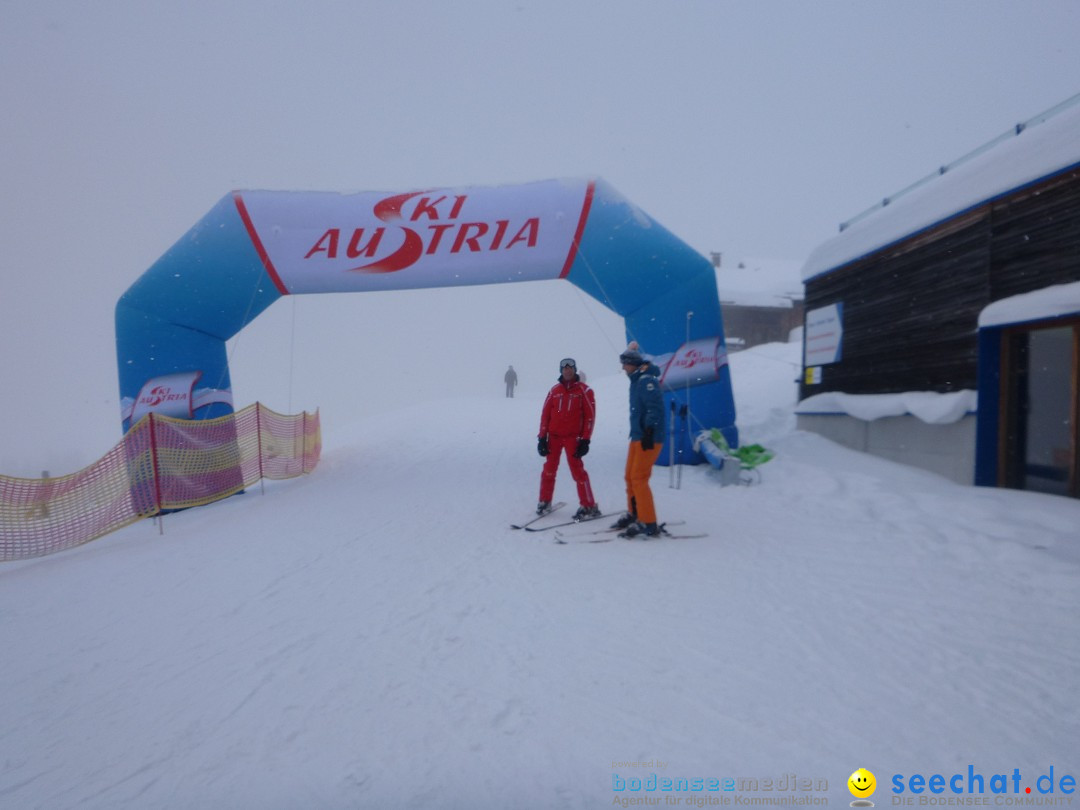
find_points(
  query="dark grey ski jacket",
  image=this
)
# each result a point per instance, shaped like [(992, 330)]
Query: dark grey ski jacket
[(646, 404)]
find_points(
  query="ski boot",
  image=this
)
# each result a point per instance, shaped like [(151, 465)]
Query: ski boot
[(642, 530), (587, 513)]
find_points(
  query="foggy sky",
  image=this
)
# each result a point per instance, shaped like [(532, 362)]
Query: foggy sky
[(751, 128)]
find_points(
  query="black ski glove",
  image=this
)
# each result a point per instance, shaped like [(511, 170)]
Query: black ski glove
[(541, 446), (647, 439), (582, 448)]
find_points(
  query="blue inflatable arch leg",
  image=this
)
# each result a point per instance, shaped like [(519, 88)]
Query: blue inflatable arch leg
[(666, 292)]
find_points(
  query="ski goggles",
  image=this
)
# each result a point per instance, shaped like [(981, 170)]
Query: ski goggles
[(569, 361)]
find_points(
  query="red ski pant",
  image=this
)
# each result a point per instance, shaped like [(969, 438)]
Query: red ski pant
[(639, 464), (556, 445)]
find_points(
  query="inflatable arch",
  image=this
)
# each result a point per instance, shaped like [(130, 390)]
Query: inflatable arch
[(255, 246)]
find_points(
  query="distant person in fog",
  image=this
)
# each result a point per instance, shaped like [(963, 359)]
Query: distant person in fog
[(510, 378)]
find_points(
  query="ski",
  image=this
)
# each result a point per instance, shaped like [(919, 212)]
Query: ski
[(554, 507), (608, 530), (663, 533), (665, 536), (566, 523), (607, 538), (575, 539), (589, 533)]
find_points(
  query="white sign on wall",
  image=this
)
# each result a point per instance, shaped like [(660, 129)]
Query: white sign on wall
[(824, 335)]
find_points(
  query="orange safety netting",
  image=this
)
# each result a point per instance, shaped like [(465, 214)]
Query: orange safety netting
[(160, 464)]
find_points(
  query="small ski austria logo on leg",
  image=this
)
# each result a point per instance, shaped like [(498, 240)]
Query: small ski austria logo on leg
[(971, 788)]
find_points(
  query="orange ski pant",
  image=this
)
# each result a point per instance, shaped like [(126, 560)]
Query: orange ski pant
[(639, 464)]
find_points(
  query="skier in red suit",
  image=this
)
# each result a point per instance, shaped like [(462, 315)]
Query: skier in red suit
[(566, 423)]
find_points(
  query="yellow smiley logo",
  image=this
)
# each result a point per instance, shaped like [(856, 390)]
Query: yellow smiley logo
[(862, 783)]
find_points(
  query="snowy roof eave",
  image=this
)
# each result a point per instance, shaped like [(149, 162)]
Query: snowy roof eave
[(1037, 152), (1055, 301), (759, 299)]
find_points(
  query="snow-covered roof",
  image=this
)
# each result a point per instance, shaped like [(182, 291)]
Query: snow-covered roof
[(755, 282), (1049, 302), (1042, 147)]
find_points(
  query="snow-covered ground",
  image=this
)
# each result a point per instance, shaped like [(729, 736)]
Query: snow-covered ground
[(374, 636)]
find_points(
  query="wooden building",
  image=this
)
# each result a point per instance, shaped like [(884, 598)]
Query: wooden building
[(896, 361), (761, 300)]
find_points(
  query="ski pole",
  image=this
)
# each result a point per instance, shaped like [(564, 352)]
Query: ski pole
[(683, 413), (685, 406), (671, 447)]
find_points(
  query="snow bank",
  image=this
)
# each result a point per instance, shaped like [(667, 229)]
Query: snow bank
[(929, 406)]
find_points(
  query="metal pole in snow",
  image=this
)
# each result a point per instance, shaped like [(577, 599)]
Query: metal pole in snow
[(671, 447), (685, 410)]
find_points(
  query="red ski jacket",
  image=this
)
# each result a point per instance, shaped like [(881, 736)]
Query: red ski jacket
[(569, 410)]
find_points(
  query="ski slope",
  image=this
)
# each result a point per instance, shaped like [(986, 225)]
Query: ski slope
[(374, 635)]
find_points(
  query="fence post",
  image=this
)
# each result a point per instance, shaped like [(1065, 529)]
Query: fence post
[(303, 444), (258, 436), (157, 475), (44, 508)]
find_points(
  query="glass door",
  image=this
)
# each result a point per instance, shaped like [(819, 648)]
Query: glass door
[(1042, 410)]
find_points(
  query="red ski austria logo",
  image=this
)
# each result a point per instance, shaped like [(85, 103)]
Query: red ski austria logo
[(325, 242), (432, 223), (168, 395), (160, 394), (694, 357), (694, 363)]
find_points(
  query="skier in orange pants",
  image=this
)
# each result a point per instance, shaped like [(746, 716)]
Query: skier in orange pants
[(646, 425)]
